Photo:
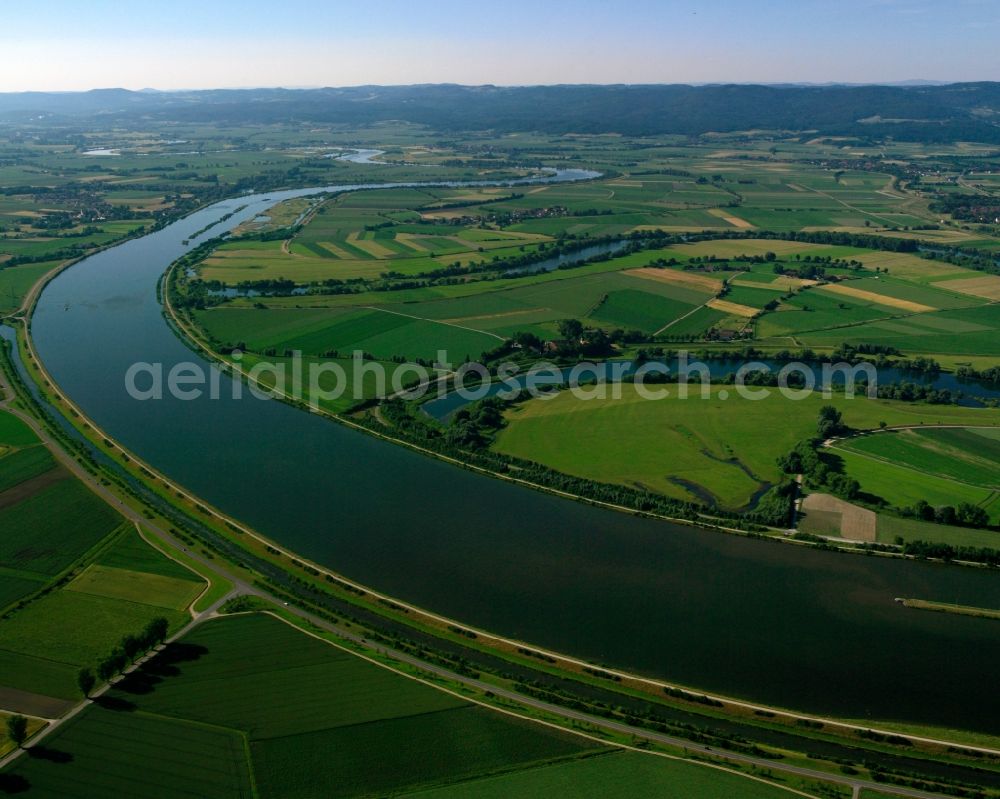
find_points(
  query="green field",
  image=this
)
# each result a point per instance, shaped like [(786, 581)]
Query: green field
[(23, 464), (14, 586), (103, 753), (49, 530), (638, 310), (131, 552), (970, 331), (14, 432), (249, 700), (464, 319), (708, 444), (957, 453), (136, 586), (44, 643), (619, 775), (296, 711), (901, 486), (70, 629), (890, 527), (16, 281)]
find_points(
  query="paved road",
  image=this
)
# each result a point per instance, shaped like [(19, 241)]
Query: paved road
[(242, 587)]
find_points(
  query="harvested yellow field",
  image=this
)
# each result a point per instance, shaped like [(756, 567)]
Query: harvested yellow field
[(335, 251), (856, 523), (370, 246), (735, 221), (411, 240), (667, 228), (730, 248), (750, 284), (476, 196), (709, 284), (901, 264), (986, 286), (785, 282), (459, 320), (881, 299), (733, 308)]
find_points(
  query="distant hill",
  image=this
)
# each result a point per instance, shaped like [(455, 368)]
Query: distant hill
[(922, 112)]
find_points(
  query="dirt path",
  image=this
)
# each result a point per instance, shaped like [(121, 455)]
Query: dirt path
[(434, 321)]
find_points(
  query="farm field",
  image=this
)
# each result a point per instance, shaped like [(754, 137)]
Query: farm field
[(53, 527), (890, 527), (246, 706), (315, 717), (216, 713), (827, 515), (619, 775), (961, 454), (971, 331), (47, 531), (466, 324), (694, 449), (904, 487), (917, 305), (16, 281)]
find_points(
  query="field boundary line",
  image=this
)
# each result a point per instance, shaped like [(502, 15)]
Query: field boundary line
[(880, 459), (419, 612), (594, 721), (433, 321), (208, 583)]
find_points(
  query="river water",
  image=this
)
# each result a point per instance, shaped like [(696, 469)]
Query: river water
[(444, 407), (806, 629)]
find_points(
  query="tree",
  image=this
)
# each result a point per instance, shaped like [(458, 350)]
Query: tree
[(111, 665), (528, 341), (132, 645), (85, 681), (156, 631), (17, 730), (830, 421), (571, 329), (972, 515), (945, 515)]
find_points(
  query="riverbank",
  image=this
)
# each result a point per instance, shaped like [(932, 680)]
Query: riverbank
[(519, 652), (498, 549)]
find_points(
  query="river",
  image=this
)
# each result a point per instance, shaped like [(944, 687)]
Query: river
[(799, 628)]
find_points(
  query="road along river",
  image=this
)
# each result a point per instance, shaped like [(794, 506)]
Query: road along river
[(800, 628)]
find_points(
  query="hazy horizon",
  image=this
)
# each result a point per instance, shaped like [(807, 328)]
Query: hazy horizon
[(250, 45), (777, 83)]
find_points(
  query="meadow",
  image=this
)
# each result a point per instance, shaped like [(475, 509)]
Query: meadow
[(959, 454), (915, 308), (619, 775), (250, 701), (891, 528), (722, 450), (18, 466), (110, 582), (940, 466), (49, 530), (16, 282)]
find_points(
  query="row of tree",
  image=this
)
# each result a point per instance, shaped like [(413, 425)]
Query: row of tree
[(965, 515), (124, 654)]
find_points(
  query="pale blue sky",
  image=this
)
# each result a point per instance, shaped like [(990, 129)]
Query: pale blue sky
[(58, 44)]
